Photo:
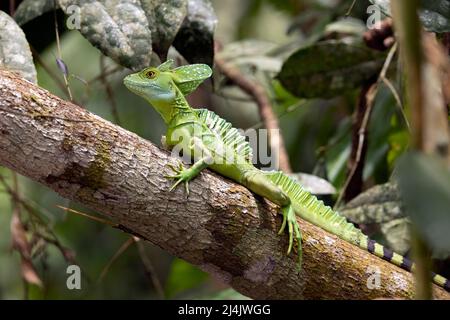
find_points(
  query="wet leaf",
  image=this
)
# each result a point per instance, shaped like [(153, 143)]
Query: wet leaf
[(424, 183), (129, 31), (119, 28), (195, 40), (31, 9), (329, 68), (435, 14), (15, 52), (164, 19)]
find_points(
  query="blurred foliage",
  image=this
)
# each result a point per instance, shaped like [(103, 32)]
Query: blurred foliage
[(425, 187), (306, 42)]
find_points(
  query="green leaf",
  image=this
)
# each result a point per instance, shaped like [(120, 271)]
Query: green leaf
[(165, 19), (398, 142), (15, 52), (129, 31), (183, 276), (195, 40), (424, 183), (30, 9), (329, 68), (435, 14), (119, 28)]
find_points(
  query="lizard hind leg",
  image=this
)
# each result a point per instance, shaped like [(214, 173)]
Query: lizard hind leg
[(290, 219), (259, 184)]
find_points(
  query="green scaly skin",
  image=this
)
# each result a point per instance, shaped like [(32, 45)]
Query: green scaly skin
[(210, 140)]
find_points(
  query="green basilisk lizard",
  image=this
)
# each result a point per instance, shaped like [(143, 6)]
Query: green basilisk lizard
[(212, 142)]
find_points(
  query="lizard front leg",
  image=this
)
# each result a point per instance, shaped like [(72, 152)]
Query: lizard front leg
[(185, 175)]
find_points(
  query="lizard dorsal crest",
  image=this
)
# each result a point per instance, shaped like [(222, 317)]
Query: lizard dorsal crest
[(230, 136)]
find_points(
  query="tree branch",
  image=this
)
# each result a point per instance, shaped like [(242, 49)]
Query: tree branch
[(222, 227)]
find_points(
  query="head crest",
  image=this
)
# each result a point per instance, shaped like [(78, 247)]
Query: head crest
[(188, 77)]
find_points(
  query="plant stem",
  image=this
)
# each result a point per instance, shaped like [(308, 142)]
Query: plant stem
[(409, 32), (422, 257)]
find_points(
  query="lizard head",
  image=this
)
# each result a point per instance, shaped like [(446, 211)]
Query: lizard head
[(160, 84), (151, 84)]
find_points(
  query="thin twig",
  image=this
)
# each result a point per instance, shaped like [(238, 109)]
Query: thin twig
[(116, 255), (12, 7), (288, 110), (49, 71), (267, 114), (58, 45), (349, 11), (353, 183), (149, 269), (101, 220), (16, 197), (359, 145), (389, 84)]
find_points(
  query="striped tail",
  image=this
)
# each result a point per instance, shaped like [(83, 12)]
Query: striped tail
[(309, 208), (399, 260)]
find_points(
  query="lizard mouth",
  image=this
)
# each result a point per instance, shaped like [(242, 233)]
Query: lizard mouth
[(137, 85)]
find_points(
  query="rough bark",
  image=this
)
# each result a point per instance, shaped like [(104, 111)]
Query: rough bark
[(221, 227)]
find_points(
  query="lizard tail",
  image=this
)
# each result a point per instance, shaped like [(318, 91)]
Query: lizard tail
[(309, 208), (399, 260)]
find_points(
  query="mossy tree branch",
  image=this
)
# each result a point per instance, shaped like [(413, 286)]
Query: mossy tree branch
[(221, 227)]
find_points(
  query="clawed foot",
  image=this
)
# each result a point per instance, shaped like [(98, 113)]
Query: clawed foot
[(290, 219), (181, 175)]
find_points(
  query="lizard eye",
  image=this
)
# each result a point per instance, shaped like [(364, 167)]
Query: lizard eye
[(150, 74)]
